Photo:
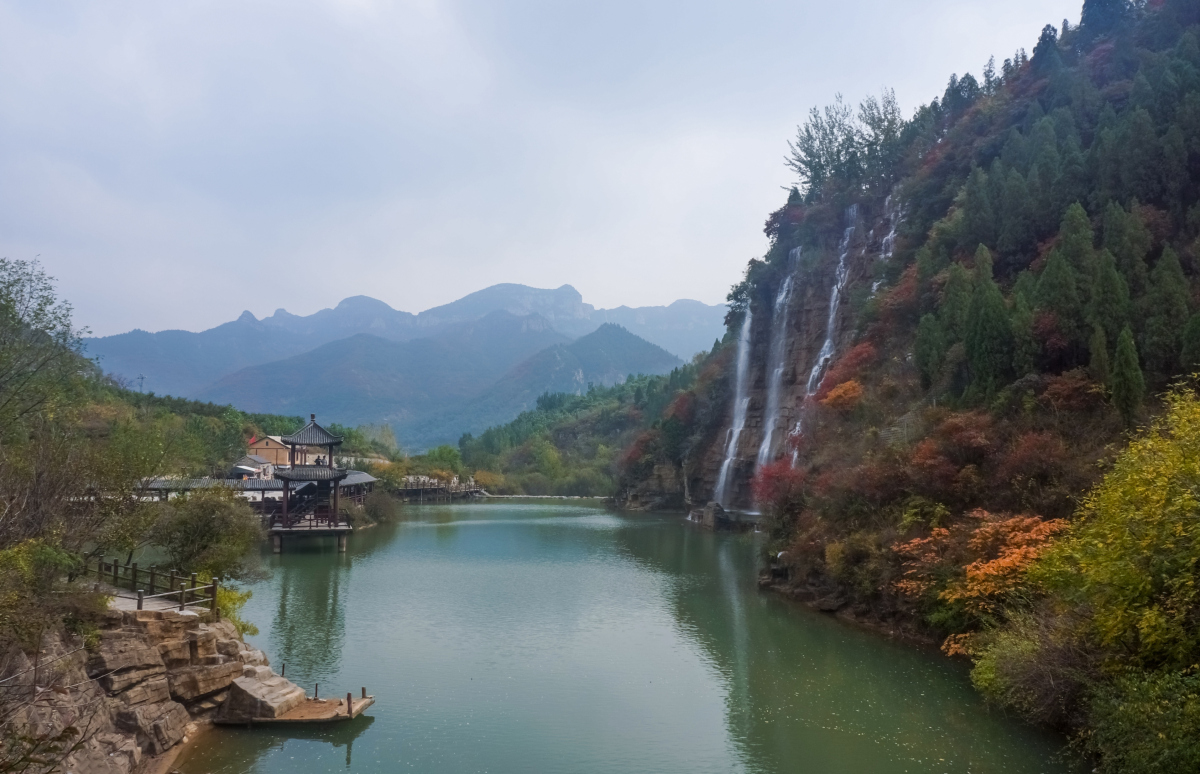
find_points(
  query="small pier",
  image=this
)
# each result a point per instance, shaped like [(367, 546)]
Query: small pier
[(313, 710)]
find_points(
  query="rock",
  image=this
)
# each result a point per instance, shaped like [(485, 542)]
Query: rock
[(256, 697), (230, 648), (253, 657), (175, 653), (148, 692), (123, 650), (157, 727), (203, 644), (194, 682)]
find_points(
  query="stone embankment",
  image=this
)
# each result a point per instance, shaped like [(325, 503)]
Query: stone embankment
[(146, 685)]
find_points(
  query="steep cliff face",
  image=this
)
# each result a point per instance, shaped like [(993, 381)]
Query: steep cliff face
[(798, 327)]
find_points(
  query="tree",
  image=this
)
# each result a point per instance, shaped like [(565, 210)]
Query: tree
[(1109, 307), (1189, 356), (930, 349), (1126, 237), (208, 530), (39, 347), (1127, 383), (1025, 346), (989, 335), (1058, 292), (1016, 229), (1101, 17), (956, 300), (978, 217), (1075, 242), (1098, 366), (1167, 313)]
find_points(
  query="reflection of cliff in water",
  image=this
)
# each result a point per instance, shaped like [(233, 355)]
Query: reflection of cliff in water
[(309, 627), (802, 687)]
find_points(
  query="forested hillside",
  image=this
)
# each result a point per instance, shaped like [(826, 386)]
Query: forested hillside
[(1015, 275)]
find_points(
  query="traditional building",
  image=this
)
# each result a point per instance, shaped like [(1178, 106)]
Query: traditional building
[(310, 491)]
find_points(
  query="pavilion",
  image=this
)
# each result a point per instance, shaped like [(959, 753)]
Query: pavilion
[(310, 492)]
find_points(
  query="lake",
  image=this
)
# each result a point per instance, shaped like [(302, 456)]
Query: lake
[(555, 637)]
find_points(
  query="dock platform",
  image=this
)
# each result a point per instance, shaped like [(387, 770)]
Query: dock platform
[(311, 711)]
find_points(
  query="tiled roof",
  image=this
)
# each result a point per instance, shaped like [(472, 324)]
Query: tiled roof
[(312, 434), (183, 484), (311, 473)]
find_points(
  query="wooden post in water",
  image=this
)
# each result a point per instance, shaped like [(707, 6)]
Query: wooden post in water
[(364, 690), (317, 691), (349, 704)]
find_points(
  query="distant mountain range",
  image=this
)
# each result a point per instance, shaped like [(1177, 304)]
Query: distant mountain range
[(480, 359)]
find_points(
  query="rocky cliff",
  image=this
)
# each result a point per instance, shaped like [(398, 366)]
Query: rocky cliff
[(137, 690)]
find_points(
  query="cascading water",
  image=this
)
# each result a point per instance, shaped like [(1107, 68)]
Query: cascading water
[(777, 364), (835, 299), (741, 401)]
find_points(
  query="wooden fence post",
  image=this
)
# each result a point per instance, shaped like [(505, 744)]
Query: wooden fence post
[(140, 598), (134, 581), (216, 611), (116, 571), (153, 572)]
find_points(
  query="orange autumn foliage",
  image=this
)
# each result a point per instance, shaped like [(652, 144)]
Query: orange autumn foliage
[(847, 367), (974, 565), (844, 397)]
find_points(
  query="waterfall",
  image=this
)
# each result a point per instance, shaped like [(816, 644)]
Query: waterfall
[(777, 362), (741, 401), (835, 300)]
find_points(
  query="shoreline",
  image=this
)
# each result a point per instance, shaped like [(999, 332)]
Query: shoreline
[(165, 763)]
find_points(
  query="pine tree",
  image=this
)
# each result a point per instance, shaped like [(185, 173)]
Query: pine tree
[(979, 219), (1101, 17), (1098, 366), (1127, 384), (1189, 356), (1141, 157), (930, 349), (1058, 292), (956, 299), (1016, 231), (1167, 314), (1075, 238), (1127, 237), (989, 334), (1109, 307), (1025, 346)]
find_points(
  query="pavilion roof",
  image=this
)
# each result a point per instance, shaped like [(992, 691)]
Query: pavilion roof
[(310, 473), (312, 434)]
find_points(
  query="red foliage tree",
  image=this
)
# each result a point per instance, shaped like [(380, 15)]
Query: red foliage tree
[(779, 486), (847, 367)]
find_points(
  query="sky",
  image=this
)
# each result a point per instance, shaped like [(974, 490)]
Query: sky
[(172, 164)]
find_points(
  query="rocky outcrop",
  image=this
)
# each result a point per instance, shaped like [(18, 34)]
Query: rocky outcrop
[(260, 693), (139, 689)]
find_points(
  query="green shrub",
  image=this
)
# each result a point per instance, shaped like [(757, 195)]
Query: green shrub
[(1147, 723)]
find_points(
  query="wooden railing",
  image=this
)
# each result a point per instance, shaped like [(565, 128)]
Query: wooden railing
[(182, 587)]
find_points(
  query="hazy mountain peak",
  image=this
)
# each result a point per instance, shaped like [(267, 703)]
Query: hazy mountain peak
[(247, 316)]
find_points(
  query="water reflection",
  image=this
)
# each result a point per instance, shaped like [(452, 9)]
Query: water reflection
[(308, 630), (515, 638), (265, 741)]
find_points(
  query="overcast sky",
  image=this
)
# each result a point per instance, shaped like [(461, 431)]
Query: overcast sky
[(174, 163)]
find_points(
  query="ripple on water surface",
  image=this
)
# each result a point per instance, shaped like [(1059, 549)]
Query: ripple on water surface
[(550, 637)]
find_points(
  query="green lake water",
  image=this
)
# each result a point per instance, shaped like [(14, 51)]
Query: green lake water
[(535, 637)]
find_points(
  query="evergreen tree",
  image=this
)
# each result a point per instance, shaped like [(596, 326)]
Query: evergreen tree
[(1174, 167), (956, 300), (1058, 292), (1127, 384), (1127, 237), (1189, 356), (1109, 306), (1075, 241), (1098, 366), (1167, 313), (1101, 17), (1025, 346), (979, 219), (1141, 157), (1016, 225), (989, 334), (930, 349)]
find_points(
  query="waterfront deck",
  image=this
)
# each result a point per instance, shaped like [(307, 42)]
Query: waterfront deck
[(313, 711)]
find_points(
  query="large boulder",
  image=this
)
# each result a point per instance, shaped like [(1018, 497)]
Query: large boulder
[(123, 650), (157, 727), (260, 693), (193, 682)]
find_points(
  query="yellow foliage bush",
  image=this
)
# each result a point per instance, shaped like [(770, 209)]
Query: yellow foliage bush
[(844, 397)]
